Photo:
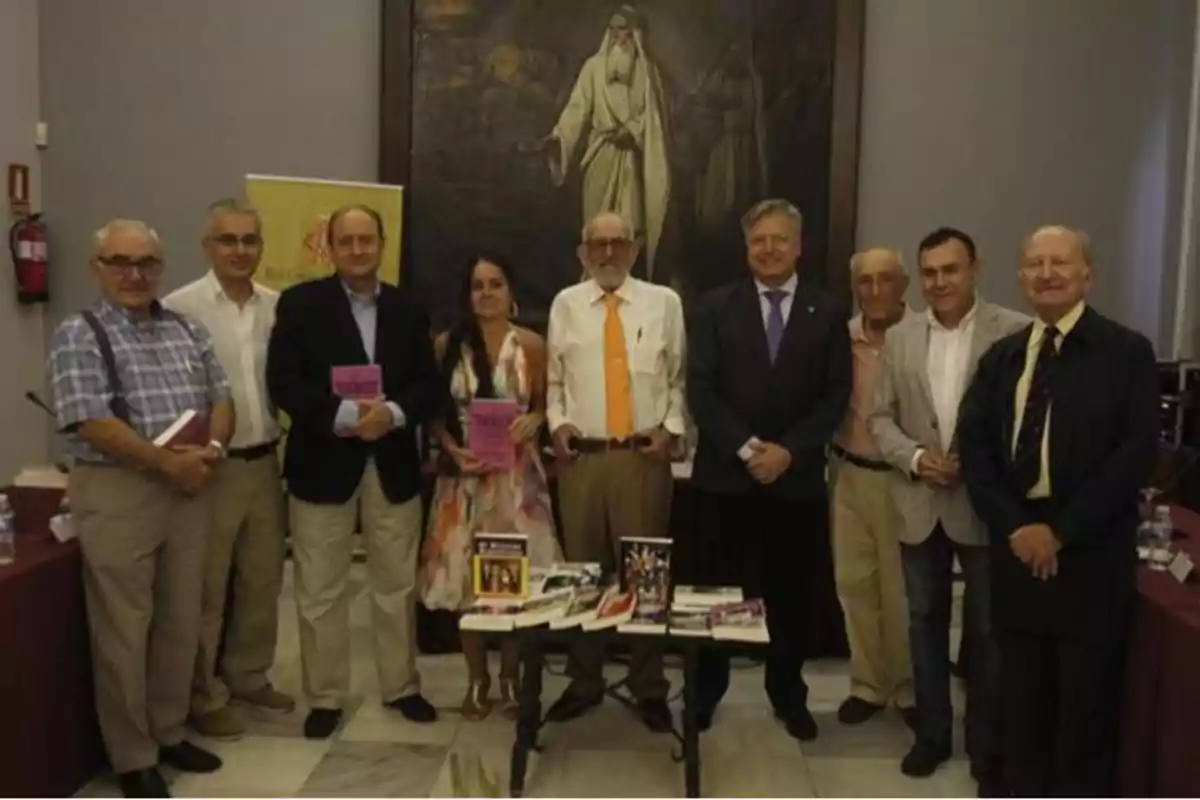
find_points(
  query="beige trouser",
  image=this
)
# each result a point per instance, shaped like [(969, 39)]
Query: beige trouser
[(143, 546), (322, 548), (603, 497), (247, 534), (870, 585)]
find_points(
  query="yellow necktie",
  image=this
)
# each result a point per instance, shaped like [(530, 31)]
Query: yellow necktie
[(616, 372)]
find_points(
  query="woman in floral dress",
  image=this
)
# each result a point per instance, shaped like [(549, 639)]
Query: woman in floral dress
[(486, 356)]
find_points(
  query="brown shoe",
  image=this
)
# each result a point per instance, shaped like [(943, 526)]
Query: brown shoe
[(477, 705), (268, 698), (223, 723), (510, 697)]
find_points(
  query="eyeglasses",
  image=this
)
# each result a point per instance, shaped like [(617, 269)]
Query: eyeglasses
[(144, 265), (233, 240), (619, 247), (1059, 269)]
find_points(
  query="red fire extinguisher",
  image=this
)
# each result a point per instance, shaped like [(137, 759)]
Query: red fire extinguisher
[(27, 243)]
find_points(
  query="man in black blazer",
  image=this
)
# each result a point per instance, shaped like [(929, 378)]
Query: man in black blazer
[(1057, 434), (769, 377), (352, 457)]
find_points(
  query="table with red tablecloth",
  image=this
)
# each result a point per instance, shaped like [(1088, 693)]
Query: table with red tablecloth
[(1160, 724), (49, 741)]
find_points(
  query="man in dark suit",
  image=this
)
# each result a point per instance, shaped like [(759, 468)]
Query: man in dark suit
[(1057, 434), (352, 457), (769, 377)]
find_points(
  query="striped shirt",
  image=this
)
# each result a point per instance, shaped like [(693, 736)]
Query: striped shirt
[(163, 369)]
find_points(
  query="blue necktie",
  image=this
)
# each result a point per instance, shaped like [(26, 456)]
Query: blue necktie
[(775, 321)]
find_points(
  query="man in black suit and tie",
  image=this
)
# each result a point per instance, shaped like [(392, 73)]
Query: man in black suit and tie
[(353, 456), (1057, 434), (769, 377)]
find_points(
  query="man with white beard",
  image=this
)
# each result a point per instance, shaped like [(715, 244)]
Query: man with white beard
[(617, 111)]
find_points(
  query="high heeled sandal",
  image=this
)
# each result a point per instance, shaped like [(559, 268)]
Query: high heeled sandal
[(510, 696), (477, 705)]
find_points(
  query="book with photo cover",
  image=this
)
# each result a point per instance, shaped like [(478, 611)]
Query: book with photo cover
[(585, 606), (646, 573), (500, 567), (615, 609), (740, 622), (189, 429)]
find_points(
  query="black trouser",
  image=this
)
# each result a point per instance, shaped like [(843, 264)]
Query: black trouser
[(775, 549)]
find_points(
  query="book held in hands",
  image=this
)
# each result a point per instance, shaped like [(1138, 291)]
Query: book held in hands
[(488, 436), (357, 381), (189, 429), (500, 567)]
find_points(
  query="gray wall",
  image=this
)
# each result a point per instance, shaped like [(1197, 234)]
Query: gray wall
[(22, 329), (997, 117), (158, 107), (993, 116)]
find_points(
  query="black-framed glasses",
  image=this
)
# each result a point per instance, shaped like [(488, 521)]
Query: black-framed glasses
[(146, 264), (233, 240), (619, 246)]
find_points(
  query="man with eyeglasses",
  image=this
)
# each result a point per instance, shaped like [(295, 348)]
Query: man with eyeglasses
[(1057, 434), (248, 519), (616, 410), (121, 373)]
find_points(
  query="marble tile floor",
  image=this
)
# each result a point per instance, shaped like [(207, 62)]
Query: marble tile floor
[(607, 753)]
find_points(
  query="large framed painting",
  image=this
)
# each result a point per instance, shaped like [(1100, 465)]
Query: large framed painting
[(511, 122)]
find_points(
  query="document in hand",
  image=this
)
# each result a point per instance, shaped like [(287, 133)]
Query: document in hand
[(191, 428), (357, 381), (488, 432)]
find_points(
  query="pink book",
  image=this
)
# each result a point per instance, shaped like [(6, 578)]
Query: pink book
[(488, 437), (358, 382)]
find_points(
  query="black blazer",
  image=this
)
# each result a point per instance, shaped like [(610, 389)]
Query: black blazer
[(315, 331), (735, 392), (1103, 442)]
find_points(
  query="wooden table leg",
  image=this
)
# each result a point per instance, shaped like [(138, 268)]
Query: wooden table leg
[(691, 727), (529, 712)]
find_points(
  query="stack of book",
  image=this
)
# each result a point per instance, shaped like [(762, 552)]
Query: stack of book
[(509, 594), (691, 606)]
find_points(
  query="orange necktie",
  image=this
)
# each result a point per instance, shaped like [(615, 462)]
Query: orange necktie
[(617, 393)]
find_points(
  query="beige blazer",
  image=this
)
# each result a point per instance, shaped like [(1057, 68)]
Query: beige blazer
[(903, 420)]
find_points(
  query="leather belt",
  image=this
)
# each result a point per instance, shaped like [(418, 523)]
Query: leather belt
[(859, 461), (580, 445), (253, 453)]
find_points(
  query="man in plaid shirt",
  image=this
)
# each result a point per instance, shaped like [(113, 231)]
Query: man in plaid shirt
[(142, 511)]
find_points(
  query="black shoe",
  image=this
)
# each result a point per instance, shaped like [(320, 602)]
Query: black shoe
[(414, 707), (143, 783), (800, 724), (322, 722), (704, 717), (990, 780), (656, 715), (573, 704), (856, 711), (186, 757), (910, 717), (923, 759)]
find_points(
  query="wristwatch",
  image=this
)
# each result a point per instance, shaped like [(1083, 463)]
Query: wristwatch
[(220, 448)]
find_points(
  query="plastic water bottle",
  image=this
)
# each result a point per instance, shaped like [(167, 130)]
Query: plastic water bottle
[(8, 531), (1160, 547)]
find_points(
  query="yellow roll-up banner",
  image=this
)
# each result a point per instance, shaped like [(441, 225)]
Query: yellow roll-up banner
[(295, 215)]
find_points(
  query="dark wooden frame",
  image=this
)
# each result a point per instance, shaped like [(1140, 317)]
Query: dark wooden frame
[(395, 121)]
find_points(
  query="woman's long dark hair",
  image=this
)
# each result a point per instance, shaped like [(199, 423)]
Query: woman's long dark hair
[(466, 332)]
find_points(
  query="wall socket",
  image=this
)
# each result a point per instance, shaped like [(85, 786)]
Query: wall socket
[(42, 137)]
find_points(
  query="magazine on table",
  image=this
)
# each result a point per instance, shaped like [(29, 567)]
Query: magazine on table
[(545, 608), (740, 622), (585, 606), (615, 609)]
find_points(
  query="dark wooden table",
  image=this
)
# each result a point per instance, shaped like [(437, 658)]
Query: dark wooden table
[(533, 644), (1160, 721), (50, 742)]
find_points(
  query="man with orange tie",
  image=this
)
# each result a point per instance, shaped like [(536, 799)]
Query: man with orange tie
[(615, 408)]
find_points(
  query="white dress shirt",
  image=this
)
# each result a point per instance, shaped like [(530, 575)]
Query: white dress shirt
[(947, 363), (239, 337), (652, 320), (746, 452)]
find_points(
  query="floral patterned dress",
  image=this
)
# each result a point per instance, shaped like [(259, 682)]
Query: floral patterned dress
[(512, 501)]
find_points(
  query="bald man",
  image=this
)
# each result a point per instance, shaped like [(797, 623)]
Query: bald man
[(1058, 433), (866, 547)]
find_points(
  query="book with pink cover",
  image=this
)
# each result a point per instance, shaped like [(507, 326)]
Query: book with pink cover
[(190, 428), (358, 381), (487, 434)]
